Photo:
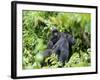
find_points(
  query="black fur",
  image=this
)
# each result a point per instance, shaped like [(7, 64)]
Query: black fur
[(61, 44)]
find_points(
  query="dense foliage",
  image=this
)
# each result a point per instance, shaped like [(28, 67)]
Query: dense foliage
[(36, 33)]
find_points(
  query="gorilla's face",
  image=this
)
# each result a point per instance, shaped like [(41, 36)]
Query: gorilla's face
[(55, 32)]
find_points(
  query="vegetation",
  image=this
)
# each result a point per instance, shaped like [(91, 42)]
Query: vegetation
[(36, 33)]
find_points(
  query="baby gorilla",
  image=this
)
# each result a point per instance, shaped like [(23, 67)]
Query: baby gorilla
[(54, 38)]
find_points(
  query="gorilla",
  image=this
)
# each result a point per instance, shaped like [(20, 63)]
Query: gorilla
[(63, 47), (54, 38), (60, 44)]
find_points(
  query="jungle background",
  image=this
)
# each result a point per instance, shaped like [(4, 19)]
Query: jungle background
[(36, 32)]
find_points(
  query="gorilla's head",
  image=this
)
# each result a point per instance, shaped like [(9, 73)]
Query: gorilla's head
[(55, 32)]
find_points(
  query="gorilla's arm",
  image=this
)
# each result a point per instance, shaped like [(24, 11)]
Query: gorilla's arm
[(47, 53)]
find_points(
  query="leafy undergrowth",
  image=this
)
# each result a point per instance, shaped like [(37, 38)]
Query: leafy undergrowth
[(36, 33), (81, 59)]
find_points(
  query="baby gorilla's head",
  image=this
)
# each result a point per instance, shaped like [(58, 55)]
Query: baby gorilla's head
[(55, 32)]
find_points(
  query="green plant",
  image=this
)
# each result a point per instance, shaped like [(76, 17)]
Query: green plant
[(36, 33)]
